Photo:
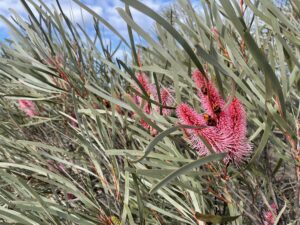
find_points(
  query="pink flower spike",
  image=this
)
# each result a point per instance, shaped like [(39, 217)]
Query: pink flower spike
[(148, 88), (211, 132), (237, 124), (144, 124), (188, 116), (208, 93), (148, 108), (238, 117), (28, 107), (142, 78), (225, 128), (166, 100)]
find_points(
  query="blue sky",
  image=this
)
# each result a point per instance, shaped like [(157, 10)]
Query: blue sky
[(105, 8)]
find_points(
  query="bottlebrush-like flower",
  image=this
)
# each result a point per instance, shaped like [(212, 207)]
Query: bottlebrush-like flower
[(223, 128), (141, 77), (165, 95), (210, 98), (28, 107), (208, 130), (166, 99), (270, 216)]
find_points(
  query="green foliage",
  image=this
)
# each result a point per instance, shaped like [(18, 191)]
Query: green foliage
[(85, 159)]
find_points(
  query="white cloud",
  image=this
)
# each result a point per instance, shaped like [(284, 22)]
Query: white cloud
[(5, 5), (105, 8)]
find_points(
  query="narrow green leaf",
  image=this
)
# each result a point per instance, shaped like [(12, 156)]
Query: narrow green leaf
[(186, 168), (133, 50), (162, 135), (164, 23), (214, 218), (108, 25), (141, 113), (264, 140)]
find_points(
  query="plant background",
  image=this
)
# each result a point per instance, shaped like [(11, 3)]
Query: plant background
[(85, 159)]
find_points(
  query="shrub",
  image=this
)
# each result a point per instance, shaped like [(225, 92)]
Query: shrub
[(102, 143)]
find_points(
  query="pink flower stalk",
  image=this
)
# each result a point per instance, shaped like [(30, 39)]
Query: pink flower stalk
[(223, 128), (166, 98), (270, 216), (28, 107)]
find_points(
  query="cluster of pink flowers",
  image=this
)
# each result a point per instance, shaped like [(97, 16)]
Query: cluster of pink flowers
[(165, 96), (27, 107), (270, 216), (224, 128)]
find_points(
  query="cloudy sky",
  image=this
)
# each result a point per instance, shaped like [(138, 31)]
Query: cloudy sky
[(105, 8)]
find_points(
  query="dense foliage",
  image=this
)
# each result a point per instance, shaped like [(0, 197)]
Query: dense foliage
[(90, 138)]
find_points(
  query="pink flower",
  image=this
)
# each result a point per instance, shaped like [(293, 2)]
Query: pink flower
[(27, 107), (209, 130), (165, 95), (142, 78), (270, 216), (147, 87), (140, 101), (166, 100), (237, 124), (210, 98), (223, 128)]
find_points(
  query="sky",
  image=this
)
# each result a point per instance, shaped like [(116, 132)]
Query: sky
[(105, 8)]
